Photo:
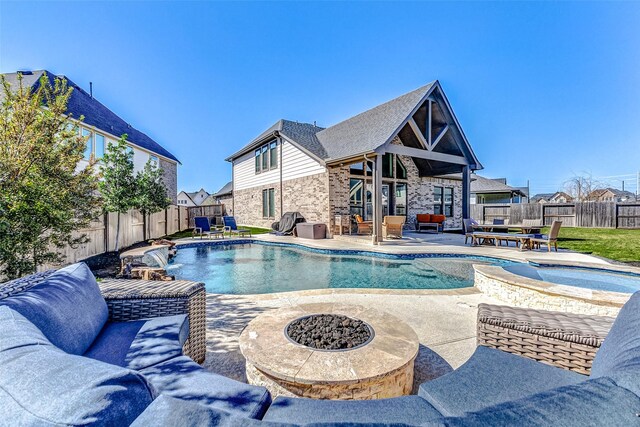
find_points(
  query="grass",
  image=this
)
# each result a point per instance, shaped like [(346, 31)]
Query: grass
[(616, 244), (189, 233)]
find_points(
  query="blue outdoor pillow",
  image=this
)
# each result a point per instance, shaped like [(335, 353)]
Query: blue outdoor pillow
[(44, 386), (67, 307)]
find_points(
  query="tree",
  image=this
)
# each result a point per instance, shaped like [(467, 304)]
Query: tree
[(44, 199), (581, 187), (151, 194), (118, 184)]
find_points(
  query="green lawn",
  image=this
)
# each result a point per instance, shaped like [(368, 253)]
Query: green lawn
[(188, 233), (616, 244)]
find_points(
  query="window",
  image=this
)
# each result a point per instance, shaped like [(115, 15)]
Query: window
[(387, 166), (88, 151), (130, 149), (266, 157), (273, 155), (99, 146), (269, 203), (153, 159), (401, 171), (443, 201), (401, 199)]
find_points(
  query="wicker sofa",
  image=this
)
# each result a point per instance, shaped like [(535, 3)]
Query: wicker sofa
[(73, 352)]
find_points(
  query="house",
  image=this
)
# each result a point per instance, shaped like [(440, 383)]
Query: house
[(557, 197), (223, 196), (404, 157), (495, 190), (101, 125), (611, 195), (192, 199)]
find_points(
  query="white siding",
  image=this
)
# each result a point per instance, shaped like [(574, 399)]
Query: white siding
[(295, 164), (298, 164)]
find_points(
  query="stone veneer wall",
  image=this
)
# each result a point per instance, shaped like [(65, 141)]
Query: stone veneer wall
[(170, 179), (227, 201), (308, 195)]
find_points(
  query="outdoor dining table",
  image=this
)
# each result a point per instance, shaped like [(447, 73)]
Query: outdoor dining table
[(524, 229)]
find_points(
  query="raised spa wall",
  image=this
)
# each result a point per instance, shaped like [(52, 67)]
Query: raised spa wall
[(519, 291)]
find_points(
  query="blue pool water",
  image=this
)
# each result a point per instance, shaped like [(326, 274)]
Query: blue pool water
[(581, 277), (253, 268)]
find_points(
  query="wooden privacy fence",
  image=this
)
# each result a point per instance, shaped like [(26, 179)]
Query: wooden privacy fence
[(102, 231), (213, 212), (585, 214)]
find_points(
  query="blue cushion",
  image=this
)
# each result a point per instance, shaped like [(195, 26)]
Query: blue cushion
[(141, 343), (619, 355), (182, 378), (490, 377), (405, 409), (168, 411), (596, 402), (42, 385), (67, 307)]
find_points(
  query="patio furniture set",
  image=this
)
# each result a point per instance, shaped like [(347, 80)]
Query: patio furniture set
[(203, 228), (392, 225), (74, 351), (528, 238)]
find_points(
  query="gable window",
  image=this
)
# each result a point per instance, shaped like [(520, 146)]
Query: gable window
[(443, 201), (266, 157), (269, 203), (153, 159), (88, 151)]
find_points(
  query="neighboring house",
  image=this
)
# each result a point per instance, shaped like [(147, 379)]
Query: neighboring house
[(495, 190), (192, 199), (611, 195), (223, 196), (102, 125), (395, 159), (557, 197)]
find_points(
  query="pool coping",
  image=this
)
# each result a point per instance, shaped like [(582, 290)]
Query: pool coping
[(592, 296)]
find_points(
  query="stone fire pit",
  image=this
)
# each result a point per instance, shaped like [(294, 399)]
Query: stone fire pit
[(360, 353)]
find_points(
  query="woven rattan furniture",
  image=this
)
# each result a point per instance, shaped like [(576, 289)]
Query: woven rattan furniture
[(565, 340), (140, 299)]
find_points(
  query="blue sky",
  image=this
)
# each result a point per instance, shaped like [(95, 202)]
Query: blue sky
[(542, 90)]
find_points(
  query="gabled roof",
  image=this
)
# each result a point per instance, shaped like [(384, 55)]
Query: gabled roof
[(488, 185), (361, 134), (367, 131), (95, 113), (542, 196), (226, 189), (618, 193)]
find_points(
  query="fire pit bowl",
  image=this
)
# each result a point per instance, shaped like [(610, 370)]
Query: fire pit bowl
[(330, 351)]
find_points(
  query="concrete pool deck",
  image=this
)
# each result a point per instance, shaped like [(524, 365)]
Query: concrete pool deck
[(444, 320)]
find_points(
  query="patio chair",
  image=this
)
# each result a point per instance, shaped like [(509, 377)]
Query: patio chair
[(468, 224), (231, 227), (364, 227), (549, 239), (392, 226), (203, 228)]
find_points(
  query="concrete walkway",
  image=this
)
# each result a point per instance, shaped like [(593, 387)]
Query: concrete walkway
[(445, 320)]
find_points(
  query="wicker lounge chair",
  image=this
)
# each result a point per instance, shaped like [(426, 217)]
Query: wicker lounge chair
[(364, 227), (392, 226), (203, 228), (231, 227), (551, 239)]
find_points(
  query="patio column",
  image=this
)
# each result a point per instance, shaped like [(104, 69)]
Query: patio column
[(466, 192), (377, 199)]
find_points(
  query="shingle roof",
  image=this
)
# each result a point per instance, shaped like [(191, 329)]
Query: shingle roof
[(487, 185), (227, 189), (362, 133), (95, 113), (542, 196), (367, 131)]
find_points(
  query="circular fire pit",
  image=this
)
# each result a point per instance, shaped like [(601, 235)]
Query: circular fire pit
[(330, 351)]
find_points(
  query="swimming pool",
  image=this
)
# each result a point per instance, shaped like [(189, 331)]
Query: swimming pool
[(590, 278), (258, 268)]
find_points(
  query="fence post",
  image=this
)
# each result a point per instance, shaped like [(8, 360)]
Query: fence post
[(105, 223), (166, 222)]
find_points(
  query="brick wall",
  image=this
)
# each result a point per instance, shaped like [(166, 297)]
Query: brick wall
[(170, 179)]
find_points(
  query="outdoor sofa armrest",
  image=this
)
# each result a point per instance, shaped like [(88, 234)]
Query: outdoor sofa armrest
[(565, 340), (142, 299)]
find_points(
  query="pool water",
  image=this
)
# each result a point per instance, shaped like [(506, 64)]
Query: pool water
[(580, 277), (258, 268)]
